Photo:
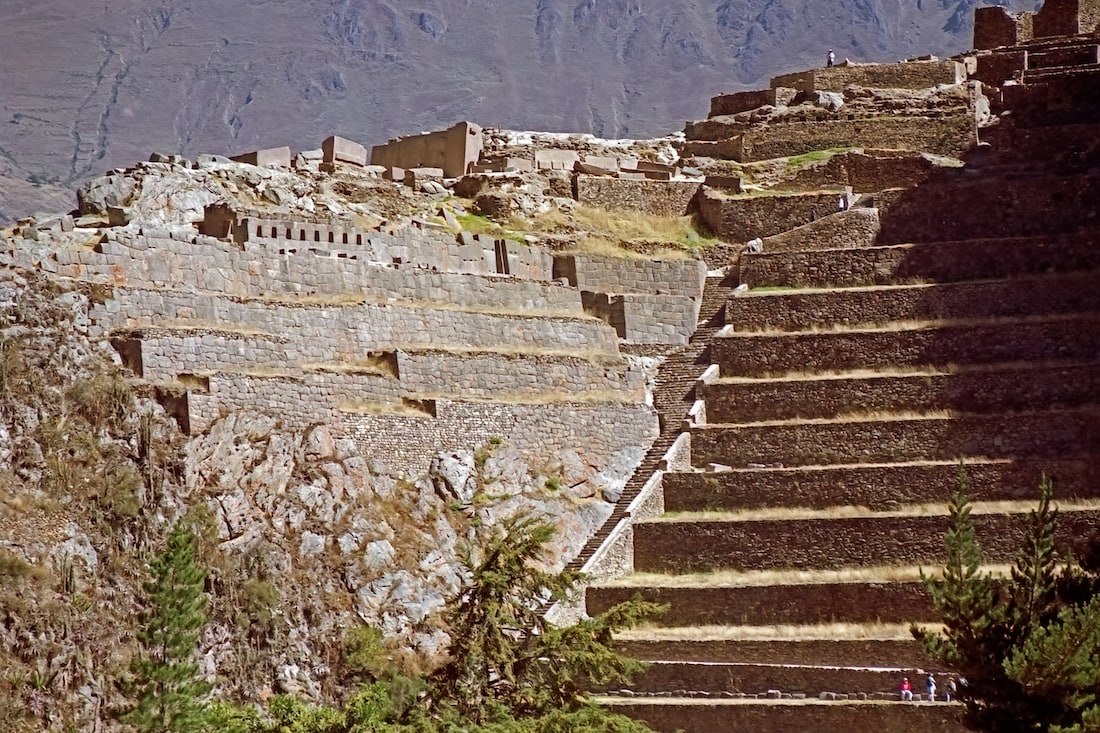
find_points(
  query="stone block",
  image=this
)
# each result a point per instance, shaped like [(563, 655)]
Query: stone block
[(602, 161), (118, 216), (393, 173), (554, 159), (339, 150), (725, 183), (268, 158)]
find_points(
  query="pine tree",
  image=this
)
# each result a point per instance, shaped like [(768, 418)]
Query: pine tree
[(506, 660), (168, 690), (1029, 647)]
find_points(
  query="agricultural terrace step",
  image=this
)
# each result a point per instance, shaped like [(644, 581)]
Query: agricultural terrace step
[(788, 716), (1042, 434), (936, 344), (717, 677), (696, 544), (996, 389), (779, 310), (881, 486), (824, 650), (363, 325), (873, 601), (964, 203), (161, 354), (947, 261)]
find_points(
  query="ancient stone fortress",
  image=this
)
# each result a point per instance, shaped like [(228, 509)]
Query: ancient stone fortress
[(911, 276)]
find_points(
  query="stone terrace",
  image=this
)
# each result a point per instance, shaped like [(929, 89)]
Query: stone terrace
[(855, 372)]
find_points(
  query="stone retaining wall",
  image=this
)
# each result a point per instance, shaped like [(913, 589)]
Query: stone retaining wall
[(745, 217), (852, 228), (835, 543), (745, 355), (325, 333), (1052, 295), (297, 401), (969, 392), (906, 75), (951, 135), (718, 677), (660, 198), (731, 104), (878, 487), (488, 376), (1051, 434), (216, 266), (864, 172), (406, 443), (765, 605), (954, 205), (855, 652), (646, 319), (620, 275), (774, 716), (947, 261)]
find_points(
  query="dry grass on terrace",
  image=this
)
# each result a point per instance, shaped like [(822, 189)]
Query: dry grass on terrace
[(395, 409), (761, 578), (769, 514), (603, 232), (608, 358)]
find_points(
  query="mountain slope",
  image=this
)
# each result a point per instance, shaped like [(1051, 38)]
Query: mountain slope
[(87, 87)]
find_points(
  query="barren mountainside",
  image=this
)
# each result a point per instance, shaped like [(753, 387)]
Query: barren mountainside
[(87, 87)]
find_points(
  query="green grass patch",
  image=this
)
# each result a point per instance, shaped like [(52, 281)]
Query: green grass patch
[(814, 156)]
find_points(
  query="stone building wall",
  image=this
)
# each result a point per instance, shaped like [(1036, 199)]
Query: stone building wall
[(646, 319), (741, 218), (603, 430), (660, 198), (454, 150), (907, 75)]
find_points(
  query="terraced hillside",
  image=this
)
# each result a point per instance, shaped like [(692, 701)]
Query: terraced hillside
[(851, 377)]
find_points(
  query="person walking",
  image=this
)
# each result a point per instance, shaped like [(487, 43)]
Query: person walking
[(906, 690), (830, 58), (931, 684), (952, 691)]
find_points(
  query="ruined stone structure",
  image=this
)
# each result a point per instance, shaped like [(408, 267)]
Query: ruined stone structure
[(995, 27), (454, 151)]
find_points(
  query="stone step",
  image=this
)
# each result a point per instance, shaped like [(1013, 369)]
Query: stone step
[(1051, 434), (998, 389), (882, 486), (936, 344), (788, 716), (941, 261), (714, 644), (709, 602), (778, 310), (745, 677), (833, 541)]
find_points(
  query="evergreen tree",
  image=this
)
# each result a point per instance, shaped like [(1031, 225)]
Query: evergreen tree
[(168, 690), (1028, 646), (506, 660)]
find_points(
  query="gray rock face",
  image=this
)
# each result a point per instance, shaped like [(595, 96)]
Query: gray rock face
[(96, 195)]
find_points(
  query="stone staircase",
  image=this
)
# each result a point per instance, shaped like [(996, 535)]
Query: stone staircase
[(849, 382)]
